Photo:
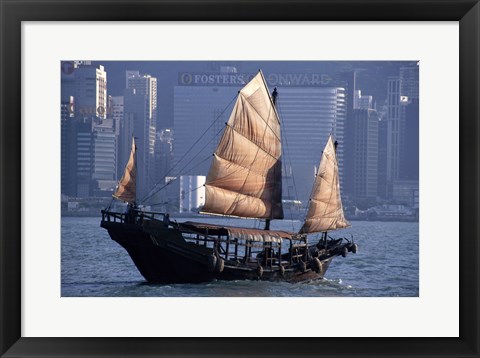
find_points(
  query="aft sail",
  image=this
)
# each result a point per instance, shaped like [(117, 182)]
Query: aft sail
[(245, 176), (325, 210), (126, 189)]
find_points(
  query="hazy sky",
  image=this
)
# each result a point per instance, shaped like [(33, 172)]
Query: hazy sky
[(371, 79)]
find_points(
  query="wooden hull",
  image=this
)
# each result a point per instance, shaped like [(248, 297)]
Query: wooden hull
[(162, 255)]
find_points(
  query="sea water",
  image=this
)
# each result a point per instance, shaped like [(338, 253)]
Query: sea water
[(386, 265)]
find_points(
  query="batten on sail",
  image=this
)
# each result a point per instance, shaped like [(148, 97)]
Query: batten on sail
[(245, 176), (325, 210), (126, 189)]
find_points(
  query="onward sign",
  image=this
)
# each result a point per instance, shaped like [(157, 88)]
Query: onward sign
[(235, 79)]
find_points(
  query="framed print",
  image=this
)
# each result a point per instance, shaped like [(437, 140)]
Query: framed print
[(65, 292)]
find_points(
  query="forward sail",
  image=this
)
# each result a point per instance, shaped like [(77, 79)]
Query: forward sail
[(245, 177), (127, 189), (325, 210)]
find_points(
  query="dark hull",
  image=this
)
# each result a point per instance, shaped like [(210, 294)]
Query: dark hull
[(162, 255)]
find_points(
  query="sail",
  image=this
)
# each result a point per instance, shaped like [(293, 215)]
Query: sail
[(126, 189), (325, 211), (245, 176)]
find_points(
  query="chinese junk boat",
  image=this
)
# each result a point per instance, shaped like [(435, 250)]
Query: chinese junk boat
[(244, 181)]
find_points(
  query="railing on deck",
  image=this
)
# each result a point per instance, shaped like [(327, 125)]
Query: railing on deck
[(268, 254), (132, 216)]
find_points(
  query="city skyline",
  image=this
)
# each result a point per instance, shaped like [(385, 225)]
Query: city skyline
[(363, 104)]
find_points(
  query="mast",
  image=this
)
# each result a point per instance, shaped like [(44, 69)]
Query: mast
[(325, 210), (274, 101)]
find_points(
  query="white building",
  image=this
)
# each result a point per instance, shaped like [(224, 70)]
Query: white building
[(139, 120), (192, 193), (90, 91)]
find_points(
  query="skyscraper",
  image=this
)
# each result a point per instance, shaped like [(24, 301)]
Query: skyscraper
[(365, 165), (90, 91), (393, 128), (104, 173), (309, 115), (382, 191), (91, 153), (348, 81), (139, 120), (409, 159), (409, 76), (402, 130), (115, 112), (68, 178), (88, 137)]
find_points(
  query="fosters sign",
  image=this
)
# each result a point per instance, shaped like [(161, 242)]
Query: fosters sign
[(235, 79)]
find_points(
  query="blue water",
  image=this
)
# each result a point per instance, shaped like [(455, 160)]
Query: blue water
[(386, 265)]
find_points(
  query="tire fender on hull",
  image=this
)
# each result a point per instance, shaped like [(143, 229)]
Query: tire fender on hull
[(353, 248), (220, 265), (260, 271), (211, 263), (316, 265)]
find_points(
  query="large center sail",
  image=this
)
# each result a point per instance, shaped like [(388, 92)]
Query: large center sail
[(325, 210), (126, 189), (245, 177)]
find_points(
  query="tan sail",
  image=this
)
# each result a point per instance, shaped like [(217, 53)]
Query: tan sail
[(245, 177), (325, 211), (126, 189)]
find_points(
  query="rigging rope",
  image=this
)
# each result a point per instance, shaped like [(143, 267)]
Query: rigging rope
[(154, 191), (287, 155)]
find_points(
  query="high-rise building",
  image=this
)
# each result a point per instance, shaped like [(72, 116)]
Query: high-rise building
[(88, 137), (409, 158), (68, 177), (348, 80), (365, 165), (92, 162), (104, 153), (363, 102), (402, 129), (163, 153), (115, 112), (393, 128), (84, 157), (90, 91), (130, 74), (309, 115), (382, 191), (139, 120), (409, 76)]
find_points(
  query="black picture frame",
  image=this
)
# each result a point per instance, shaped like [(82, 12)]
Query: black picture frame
[(13, 12)]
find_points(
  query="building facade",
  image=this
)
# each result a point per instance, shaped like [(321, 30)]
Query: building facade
[(88, 137), (365, 166), (139, 121), (192, 193), (90, 91), (402, 131)]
